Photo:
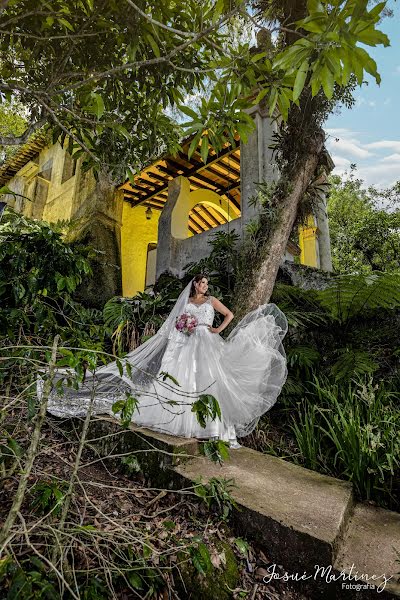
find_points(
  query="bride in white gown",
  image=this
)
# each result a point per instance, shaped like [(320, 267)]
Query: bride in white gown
[(171, 370)]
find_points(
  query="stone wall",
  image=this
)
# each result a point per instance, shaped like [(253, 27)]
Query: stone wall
[(307, 278)]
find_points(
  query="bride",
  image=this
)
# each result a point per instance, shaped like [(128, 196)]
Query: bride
[(186, 360)]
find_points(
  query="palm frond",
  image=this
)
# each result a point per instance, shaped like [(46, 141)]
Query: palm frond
[(300, 306)]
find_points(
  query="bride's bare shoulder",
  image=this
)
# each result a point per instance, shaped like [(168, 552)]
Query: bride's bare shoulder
[(217, 304)]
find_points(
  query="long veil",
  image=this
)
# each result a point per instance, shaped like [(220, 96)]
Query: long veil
[(145, 360)]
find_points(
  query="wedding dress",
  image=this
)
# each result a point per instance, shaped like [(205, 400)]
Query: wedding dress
[(168, 373)]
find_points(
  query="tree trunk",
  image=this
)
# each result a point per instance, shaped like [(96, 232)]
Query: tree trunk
[(264, 280)]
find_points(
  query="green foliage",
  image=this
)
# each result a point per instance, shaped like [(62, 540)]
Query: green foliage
[(216, 450), (308, 435), (12, 122), (219, 117), (10, 452), (48, 496), (127, 67), (217, 493), (243, 546), (329, 53), (351, 431), (29, 580), (38, 276), (131, 464), (206, 407), (125, 409), (342, 330), (200, 556), (364, 226), (350, 296), (351, 362), (130, 321), (301, 307)]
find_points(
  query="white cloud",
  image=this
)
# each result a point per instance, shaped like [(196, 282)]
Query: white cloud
[(378, 162), (385, 144), (349, 146), (341, 163), (362, 101), (381, 175), (392, 158), (340, 132)]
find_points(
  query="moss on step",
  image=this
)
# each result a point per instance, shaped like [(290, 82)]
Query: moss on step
[(216, 583)]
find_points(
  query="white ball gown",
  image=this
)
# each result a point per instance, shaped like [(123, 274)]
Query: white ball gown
[(245, 373)]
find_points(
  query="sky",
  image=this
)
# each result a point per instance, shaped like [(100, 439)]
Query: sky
[(369, 133)]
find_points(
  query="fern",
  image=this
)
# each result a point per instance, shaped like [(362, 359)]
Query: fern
[(301, 307), (302, 356), (352, 362), (351, 296)]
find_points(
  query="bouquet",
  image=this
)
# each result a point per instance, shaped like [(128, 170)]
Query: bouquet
[(186, 323)]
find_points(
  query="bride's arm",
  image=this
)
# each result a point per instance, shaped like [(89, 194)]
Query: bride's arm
[(228, 314)]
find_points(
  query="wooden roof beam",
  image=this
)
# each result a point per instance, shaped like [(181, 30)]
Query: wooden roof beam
[(213, 211), (196, 222), (208, 224)]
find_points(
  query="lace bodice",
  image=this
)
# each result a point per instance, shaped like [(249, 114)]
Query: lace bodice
[(203, 312)]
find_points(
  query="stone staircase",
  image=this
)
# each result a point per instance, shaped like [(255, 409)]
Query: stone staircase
[(307, 522)]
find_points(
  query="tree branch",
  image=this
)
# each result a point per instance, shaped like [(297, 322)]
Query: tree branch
[(52, 37), (153, 61), (32, 451), (17, 140), (158, 23), (69, 133)]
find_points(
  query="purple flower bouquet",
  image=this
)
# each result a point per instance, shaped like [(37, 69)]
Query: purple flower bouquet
[(186, 323)]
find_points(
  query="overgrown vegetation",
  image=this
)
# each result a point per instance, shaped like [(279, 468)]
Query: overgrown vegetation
[(61, 537), (102, 78), (340, 407)]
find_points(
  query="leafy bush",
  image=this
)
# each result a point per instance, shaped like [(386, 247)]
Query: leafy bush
[(39, 273), (344, 330), (130, 321), (351, 431)]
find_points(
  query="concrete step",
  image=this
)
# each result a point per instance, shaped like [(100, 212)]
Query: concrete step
[(305, 521), (370, 541), (298, 514), (309, 523)]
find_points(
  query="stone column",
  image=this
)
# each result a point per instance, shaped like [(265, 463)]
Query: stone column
[(173, 226), (98, 223), (256, 161), (324, 240)]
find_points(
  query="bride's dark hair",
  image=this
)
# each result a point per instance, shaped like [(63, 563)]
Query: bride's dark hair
[(196, 279)]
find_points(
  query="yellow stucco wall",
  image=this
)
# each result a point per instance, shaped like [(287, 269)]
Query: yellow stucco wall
[(308, 242), (136, 234), (62, 200), (59, 202)]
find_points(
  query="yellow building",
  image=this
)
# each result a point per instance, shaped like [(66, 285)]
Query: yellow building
[(166, 218)]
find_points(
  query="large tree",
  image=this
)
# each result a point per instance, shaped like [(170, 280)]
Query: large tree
[(314, 65), (103, 72), (364, 224)]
